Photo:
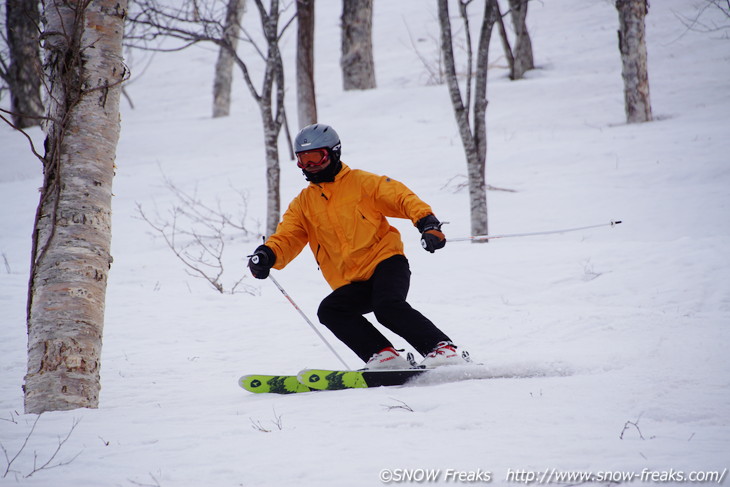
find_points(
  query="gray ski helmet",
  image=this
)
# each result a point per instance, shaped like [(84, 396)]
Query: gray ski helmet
[(318, 136)]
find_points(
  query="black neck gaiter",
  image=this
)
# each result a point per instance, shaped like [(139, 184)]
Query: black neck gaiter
[(327, 175)]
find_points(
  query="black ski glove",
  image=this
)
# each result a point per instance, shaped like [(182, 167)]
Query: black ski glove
[(432, 238), (261, 262)]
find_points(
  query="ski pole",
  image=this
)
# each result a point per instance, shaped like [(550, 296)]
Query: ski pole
[(308, 321), (478, 238)]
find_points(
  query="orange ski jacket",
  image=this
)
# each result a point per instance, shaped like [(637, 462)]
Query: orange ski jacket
[(344, 222)]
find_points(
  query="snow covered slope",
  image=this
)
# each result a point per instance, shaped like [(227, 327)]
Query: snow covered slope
[(617, 326)]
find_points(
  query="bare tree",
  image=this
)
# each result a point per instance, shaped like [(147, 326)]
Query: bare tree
[(72, 231), (306, 97), (224, 65), (522, 52), (356, 61), (505, 42), (471, 119), (4, 55), (520, 58), (195, 22), (22, 70), (632, 45)]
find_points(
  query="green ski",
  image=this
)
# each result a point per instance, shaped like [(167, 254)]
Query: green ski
[(277, 384), (330, 380)]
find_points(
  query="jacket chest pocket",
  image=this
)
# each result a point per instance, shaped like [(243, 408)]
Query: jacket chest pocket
[(364, 231)]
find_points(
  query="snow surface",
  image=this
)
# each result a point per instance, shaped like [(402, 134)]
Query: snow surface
[(616, 325)]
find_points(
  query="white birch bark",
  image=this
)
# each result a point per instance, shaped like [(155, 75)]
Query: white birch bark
[(224, 64), (271, 105), (72, 232), (356, 61), (473, 137), (306, 97), (632, 45), (522, 53)]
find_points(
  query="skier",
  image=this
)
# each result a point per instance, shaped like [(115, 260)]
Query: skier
[(342, 214)]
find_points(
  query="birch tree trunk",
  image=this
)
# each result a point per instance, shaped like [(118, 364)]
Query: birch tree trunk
[(505, 43), (522, 53), (306, 97), (474, 136), (632, 45), (224, 64), (271, 105), (356, 61), (24, 72), (72, 231)]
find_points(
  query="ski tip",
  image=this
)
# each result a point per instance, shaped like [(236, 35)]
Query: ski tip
[(251, 383)]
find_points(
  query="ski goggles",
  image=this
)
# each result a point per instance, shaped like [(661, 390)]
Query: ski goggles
[(314, 157)]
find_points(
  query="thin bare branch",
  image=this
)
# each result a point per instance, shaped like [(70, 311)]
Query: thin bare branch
[(20, 450), (48, 464), (196, 233), (23, 132), (61, 442)]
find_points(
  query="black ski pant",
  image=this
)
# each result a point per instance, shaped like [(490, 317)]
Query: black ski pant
[(385, 295)]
